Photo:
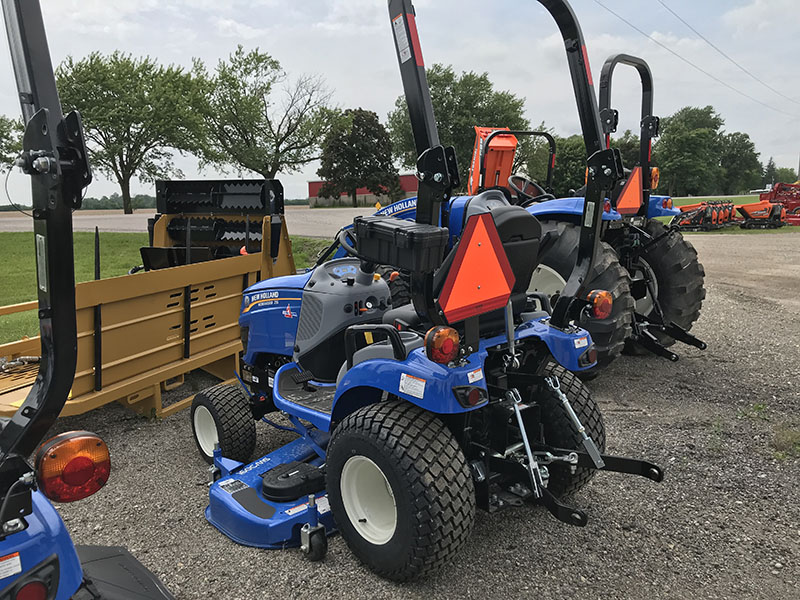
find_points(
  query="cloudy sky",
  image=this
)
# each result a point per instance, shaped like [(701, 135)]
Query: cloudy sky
[(349, 42)]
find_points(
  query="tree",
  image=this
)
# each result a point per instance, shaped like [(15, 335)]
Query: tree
[(135, 113), (688, 152), (460, 103), (357, 152), (770, 173), (570, 171), (741, 169), (10, 141), (785, 175), (258, 120)]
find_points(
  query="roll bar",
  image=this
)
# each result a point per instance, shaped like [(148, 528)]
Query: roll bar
[(551, 161), (54, 155), (649, 124), (604, 164)]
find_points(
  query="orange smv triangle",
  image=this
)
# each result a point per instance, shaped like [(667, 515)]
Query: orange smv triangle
[(480, 279), (630, 199)]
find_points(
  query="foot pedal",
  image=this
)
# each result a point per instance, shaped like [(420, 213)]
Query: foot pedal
[(302, 376), (291, 481)]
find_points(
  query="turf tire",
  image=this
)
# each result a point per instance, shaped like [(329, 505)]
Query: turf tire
[(399, 287), (560, 431), (233, 419), (433, 491)]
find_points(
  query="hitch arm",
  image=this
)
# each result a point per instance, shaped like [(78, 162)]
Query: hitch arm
[(617, 464)]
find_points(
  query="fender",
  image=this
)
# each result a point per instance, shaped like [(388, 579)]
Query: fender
[(656, 208), (570, 207)]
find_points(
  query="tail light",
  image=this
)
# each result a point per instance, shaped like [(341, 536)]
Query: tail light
[(35, 590), (607, 206), (666, 203), (470, 395), (601, 303), (72, 466), (655, 175), (441, 344)]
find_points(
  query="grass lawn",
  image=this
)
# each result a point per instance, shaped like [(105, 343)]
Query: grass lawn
[(118, 253), (733, 199)]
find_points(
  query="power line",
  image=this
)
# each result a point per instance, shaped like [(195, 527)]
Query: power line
[(715, 47), (694, 66)]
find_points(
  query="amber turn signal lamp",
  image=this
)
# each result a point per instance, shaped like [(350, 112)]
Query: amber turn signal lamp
[(72, 466), (666, 203), (441, 344), (655, 176), (601, 303)]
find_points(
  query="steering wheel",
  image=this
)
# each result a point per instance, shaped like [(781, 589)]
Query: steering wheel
[(344, 237), (528, 191)]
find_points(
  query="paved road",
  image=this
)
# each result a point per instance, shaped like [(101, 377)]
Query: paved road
[(723, 523), (318, 222)]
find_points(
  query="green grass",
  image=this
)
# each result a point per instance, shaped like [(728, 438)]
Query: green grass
[(118, 253), (733, 199)]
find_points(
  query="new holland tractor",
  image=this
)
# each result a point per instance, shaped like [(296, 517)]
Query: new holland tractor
[(38, 560), (410, 417), (652, 271)]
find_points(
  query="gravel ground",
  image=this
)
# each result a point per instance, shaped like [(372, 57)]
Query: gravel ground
[(725, 522)]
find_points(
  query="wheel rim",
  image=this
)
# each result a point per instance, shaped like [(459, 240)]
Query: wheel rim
[(546, 280), (642, 269), (205, 430), (368, 500)]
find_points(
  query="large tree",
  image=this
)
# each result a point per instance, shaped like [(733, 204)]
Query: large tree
[(688, 151), (570, 171), (460, 102), (135, 114), (357, 152), (741, 169), (258, 119), (785, 175), (10, 141)]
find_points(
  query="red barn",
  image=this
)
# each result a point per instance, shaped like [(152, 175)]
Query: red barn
[(408, 183)]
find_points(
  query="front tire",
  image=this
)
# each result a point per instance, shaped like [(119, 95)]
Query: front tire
[(222, 415), (556, 263), (400, 489)]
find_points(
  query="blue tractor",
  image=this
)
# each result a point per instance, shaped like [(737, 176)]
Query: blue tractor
[(409, 417), (38, 560)]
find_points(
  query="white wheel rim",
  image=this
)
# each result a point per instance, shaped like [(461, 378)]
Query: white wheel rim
[(205, 430), (368, 500), (546, 280), (645, 305)]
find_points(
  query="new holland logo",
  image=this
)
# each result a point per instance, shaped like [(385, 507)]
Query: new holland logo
[(287, 312)]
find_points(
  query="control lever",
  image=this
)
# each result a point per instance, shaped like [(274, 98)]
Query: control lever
[(588, 443), (537, 482), (511, 360)]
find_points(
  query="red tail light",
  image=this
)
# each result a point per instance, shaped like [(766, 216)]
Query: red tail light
[(72, 466), (441, 344), (607, 206), (35, 590), (601, 303)]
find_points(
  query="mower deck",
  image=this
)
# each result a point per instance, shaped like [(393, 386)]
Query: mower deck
[(239, 509)]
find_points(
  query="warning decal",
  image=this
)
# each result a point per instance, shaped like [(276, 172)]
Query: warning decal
[(413, 386), (10, 564), (475, 375), (401, 38)]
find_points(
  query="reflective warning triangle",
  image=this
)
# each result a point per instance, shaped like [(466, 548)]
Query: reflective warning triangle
[(480, 279), (630, 199)]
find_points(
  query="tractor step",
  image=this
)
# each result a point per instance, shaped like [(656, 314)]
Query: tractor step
[(299, 395)]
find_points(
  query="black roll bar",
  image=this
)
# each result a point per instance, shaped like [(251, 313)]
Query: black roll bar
[(649, 124), (54, 155), (551, 163)]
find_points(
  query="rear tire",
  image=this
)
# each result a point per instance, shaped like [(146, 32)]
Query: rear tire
[(399, 286), (679, 281), (560, 431), (400, 489), (222, 414), (556, 263)]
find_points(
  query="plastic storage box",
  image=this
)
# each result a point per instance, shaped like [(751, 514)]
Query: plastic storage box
[(406, 245)]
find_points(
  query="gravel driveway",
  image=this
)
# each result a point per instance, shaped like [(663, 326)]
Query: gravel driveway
[(725, 523)]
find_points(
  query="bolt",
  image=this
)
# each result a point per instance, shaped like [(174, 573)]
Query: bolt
[(421, 176), (607, 172), (438, 177), (42, 164), (592, 171)]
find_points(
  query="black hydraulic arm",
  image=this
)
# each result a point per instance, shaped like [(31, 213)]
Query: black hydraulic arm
[(551, 161), (649, 124), (604, 165), (54, 156)]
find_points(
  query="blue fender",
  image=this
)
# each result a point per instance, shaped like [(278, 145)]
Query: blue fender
[(45, 536), (656, 208), (572, 207)]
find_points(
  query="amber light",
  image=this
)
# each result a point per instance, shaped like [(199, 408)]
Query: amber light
[(72, 466), (601, 303), (655, 176), (666, 203), (441, 344)]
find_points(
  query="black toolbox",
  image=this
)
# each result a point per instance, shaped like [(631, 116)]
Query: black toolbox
[(407, 245)]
